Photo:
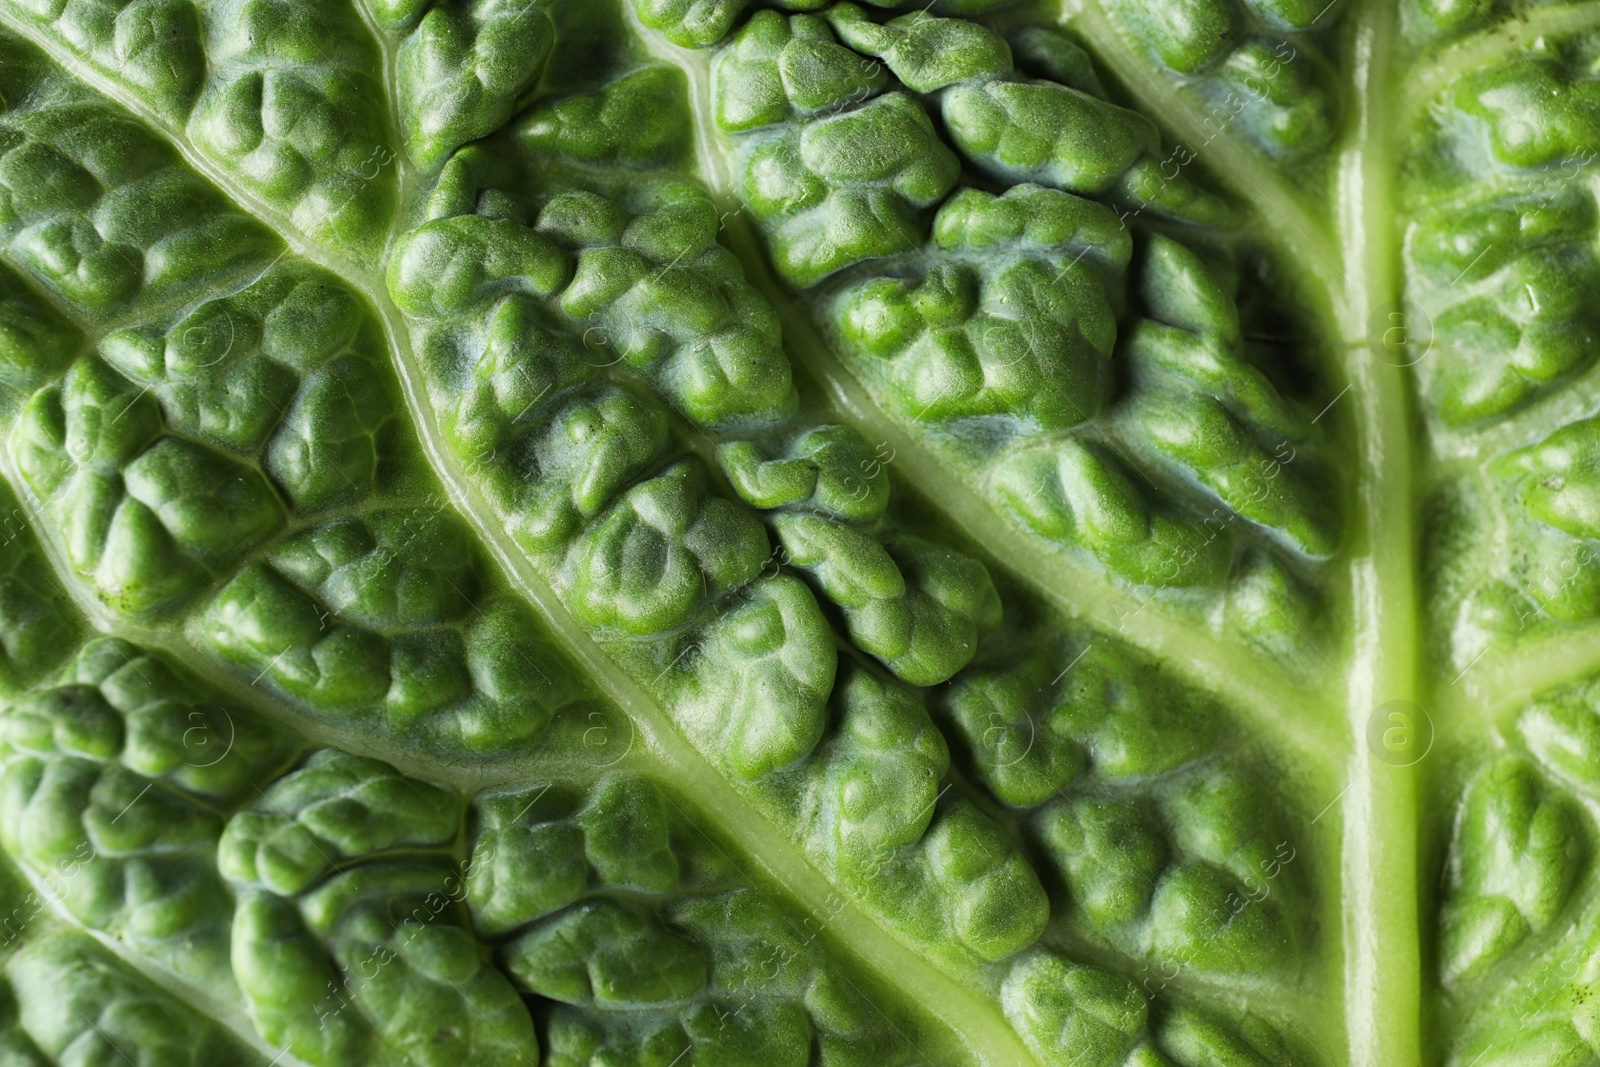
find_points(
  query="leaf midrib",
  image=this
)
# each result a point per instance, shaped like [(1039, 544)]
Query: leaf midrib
[(1378, 861), (1383, 966), (978, 1022), (1387, 662)]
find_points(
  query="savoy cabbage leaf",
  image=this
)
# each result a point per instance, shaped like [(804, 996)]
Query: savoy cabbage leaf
[(799, 533)]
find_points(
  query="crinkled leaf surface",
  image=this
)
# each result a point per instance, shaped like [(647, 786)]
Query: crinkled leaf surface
[(799, 533)]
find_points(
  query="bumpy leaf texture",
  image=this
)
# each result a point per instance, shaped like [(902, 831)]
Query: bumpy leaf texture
[(799, 533)]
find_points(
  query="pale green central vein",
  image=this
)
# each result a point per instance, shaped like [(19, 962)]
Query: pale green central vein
[(1357, 277), (1382, 967), (1381, 894)]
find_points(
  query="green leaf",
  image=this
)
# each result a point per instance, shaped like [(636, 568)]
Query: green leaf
[(812, 533)]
